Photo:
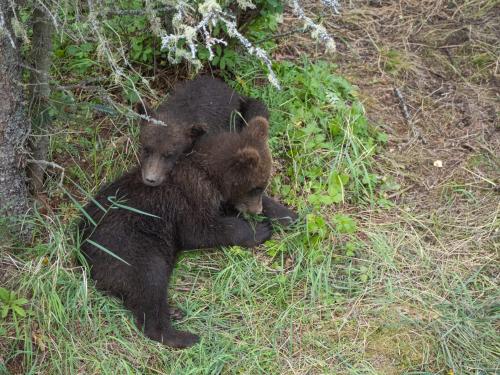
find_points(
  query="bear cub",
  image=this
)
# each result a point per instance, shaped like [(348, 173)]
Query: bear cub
[(203, 105), (184, 212)]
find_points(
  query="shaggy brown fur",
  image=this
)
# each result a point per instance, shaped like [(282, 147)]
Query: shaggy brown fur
[(187, 208), (204, 104)]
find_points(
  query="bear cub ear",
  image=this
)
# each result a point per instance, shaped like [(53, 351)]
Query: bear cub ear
[(246, 158), (196, 131), (259, 127)]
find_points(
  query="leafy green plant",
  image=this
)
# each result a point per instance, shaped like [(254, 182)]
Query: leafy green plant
[(350, 248), (334, 193), (325, 130), (345, 224), (224, 58), (316, 226), (9, 302), (259, 29), (256, 30)]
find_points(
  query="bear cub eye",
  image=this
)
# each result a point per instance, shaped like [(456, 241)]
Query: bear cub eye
[(256, 191), (146, 151), (166, 156)]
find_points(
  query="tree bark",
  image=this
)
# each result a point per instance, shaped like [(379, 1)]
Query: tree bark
[(40, 92), (14, 128)]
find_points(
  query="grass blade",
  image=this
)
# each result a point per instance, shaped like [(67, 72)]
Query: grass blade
[(109, 252)]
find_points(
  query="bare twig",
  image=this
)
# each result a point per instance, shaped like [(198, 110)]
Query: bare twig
[(133, 12), (406, 114), (402, 105), (49, 164), (481, 177), (281, 35)]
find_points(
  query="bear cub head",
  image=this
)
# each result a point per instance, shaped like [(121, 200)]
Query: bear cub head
[(161, 146), (239, 163)]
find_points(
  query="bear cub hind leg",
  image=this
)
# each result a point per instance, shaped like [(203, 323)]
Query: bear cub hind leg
[(148, 303)]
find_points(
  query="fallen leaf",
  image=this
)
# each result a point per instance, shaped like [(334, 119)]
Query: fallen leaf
[(438, 164)]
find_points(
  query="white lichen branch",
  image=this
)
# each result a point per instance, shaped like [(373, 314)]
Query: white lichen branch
[(5, 30), (318, 31)]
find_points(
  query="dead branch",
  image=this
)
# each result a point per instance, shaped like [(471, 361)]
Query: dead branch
[(406, 115), (49, 164)]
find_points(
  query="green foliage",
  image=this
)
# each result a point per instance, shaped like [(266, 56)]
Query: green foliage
[(318, 123), (129, 30), (316, 226), (9, 302), (345, 224), (126, 48), (224, 58), (334, 193), (260, 28)]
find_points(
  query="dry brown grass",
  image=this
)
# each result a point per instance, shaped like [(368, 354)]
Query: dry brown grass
[(443, 57)]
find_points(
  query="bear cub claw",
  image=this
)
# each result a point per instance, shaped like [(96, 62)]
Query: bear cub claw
[(174, 338), (263, 232), (180, 339)]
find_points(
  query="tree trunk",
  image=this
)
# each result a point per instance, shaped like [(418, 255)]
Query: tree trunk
[(40, 92), (14, 128)]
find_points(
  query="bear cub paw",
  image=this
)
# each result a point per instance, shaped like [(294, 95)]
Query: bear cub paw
[(174, 338), (261, 232)]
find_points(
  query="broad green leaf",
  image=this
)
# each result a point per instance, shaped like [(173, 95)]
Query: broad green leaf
[(18, 310), (315, 224), (4, 294), (5, 311), (345, 224), (326, 199), (21, 301)]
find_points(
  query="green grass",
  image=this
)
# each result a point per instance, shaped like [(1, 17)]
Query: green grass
[(354, 288)]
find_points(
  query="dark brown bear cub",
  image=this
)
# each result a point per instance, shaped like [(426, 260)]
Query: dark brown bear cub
[(204, 104), (184, 212)]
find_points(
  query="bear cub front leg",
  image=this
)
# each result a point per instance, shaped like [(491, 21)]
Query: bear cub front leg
[(228, 231), (278, 212)]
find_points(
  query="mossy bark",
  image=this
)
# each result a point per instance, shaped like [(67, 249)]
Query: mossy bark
[(14, 128), (41, 58)]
